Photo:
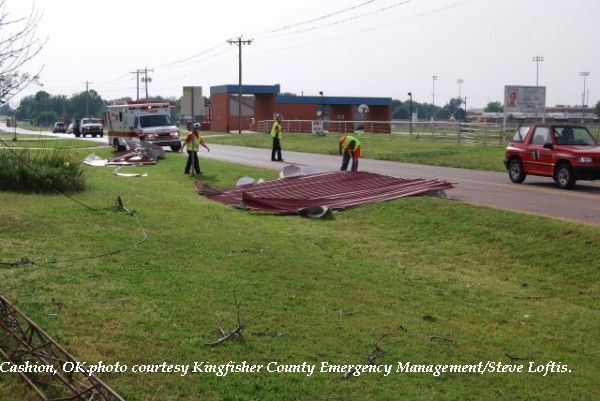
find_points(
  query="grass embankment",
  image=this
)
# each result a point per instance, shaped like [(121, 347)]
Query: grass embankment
[(449, 283), (382, 147)]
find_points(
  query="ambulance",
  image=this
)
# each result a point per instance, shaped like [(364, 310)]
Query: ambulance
[(141, 121)]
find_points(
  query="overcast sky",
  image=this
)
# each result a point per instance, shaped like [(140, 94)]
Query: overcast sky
[(377, 48)]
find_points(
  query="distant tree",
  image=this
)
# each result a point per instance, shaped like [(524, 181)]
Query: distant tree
[(18, 45), (597, 109), (454, 109), (494, 107), (6, 110), (400, 110), (86, 104)]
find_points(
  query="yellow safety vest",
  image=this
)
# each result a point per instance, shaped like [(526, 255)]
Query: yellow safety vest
[(349, 139), (276, 130), (194, 144)]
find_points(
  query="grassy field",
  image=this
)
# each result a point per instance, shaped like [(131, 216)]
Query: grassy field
[(382, 147), (438, 282)]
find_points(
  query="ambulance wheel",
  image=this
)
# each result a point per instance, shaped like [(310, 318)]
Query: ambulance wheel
[(118, 147)]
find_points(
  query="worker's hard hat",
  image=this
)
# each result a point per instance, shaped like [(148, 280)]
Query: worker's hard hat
[(196, 125), (278, 116)]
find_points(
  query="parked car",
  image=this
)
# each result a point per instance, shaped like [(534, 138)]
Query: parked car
[(566, 153), (71, 128), (59, 127)]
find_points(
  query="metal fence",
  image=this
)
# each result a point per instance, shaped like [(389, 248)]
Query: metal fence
[(475, 134)]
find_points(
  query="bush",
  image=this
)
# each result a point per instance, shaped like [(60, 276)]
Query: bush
[(40, 171)]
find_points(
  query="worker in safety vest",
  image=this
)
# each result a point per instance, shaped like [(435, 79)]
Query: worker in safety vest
[(192, 142), (349, 148), (276, 133)]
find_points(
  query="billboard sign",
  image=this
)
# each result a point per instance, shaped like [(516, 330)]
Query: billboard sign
[(524, 99), (192, 98)]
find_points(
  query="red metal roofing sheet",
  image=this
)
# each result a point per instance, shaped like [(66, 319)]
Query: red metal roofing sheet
[(336, 190)]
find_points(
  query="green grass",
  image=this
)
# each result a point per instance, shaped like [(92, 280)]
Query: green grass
[(47, 143), (382, 147), (421, 270)]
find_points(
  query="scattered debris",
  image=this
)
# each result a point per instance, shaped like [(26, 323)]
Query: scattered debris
[(117, 172), (138, 153)]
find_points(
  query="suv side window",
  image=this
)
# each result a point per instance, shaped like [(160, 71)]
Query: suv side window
[(521, 134), (541, 136)]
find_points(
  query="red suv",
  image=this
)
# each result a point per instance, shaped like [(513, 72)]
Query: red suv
[(566, 153)]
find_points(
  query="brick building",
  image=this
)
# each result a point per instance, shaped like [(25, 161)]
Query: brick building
[(261, 102)]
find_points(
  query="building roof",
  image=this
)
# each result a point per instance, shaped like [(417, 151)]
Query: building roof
[(290, 99), (246, 89), (334, 100)]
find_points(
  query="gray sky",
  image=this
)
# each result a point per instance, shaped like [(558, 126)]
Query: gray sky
[(379, 48)]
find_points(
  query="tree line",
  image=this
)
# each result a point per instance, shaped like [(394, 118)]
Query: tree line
[(43, 109)]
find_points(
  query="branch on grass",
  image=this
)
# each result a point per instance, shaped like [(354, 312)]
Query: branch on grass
[(448, 340), (519, 358), (377, 352), (24, 261), (236, 333)]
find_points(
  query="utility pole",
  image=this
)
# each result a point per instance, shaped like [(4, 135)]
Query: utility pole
[(239, 42), (145, 80), (87, 96), (137, 83)]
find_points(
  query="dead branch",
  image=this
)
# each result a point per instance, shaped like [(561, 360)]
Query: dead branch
[(377, 352), (448, 340), (236, 333), (519, 358)]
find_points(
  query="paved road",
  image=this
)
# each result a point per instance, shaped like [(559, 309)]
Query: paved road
[(536, 196)]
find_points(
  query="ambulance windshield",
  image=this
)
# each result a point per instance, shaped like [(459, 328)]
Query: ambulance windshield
[(158, 120)]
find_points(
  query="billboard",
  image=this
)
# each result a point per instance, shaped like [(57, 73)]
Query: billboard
[(524, 99), (192, 96)]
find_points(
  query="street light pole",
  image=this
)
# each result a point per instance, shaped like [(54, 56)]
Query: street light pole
[(584, 74), (459, 81), (537, 60), (410, 113), (433, 96)]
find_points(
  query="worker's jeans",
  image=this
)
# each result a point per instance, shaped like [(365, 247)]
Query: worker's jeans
[(192, 158), (346, 156), (276, 150)]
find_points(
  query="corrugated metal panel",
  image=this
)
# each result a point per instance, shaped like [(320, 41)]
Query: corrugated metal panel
[(336, 190)]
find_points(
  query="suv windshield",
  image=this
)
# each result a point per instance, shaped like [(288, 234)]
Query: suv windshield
[(90, 121), (159, 120), (574, 136)]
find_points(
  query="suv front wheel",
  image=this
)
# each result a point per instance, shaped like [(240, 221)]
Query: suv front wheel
[(563, 176), (515, 171)]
